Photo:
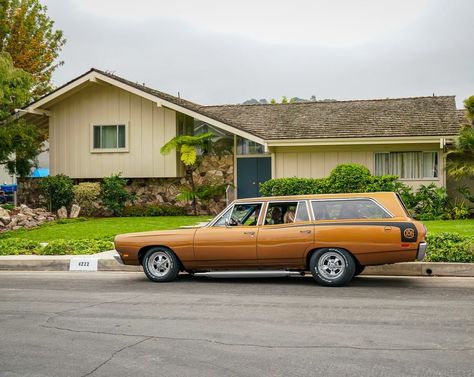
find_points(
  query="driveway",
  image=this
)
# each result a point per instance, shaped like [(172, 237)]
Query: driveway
[(119, 324)]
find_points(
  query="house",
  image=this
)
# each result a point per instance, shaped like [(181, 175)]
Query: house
[(101, 124)]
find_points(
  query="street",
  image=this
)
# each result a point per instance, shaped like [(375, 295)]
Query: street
[(120, 324)]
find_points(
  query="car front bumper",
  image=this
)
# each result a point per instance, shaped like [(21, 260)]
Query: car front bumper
[(420, 255), (118, 258)]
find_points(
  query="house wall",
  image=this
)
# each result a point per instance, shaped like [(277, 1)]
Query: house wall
[(149, 127), (318, 161)]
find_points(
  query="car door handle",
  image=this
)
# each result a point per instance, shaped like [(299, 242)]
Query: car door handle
[(388, 228), (251, 233), (305, 231)]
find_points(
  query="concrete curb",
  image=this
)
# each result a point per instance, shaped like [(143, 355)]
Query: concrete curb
[(61, 263), (422, 269)]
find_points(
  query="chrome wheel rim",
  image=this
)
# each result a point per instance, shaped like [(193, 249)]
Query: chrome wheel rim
[(331, 265), (159, 264)]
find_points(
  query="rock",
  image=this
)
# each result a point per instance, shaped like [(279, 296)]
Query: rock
[(75, 210), (4, 213), (62, 213)]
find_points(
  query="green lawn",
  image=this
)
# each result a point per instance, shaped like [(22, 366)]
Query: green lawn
[(107, 228), (102, 228), (465, 227)]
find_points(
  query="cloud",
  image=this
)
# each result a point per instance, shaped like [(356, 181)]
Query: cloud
[(214, 53)]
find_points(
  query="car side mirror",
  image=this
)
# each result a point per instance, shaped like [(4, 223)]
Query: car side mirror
[(227, 223)]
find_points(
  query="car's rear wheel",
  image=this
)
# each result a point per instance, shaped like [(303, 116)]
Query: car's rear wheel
[(332, 267), (359, 269), (160, 265)]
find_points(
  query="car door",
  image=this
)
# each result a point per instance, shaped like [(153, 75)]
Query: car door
[(285, 235), (231, 241)]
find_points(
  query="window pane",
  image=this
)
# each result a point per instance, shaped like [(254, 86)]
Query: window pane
[(406, 164), (109, 136), (348, 209), (96, 137), (245, 146), (245, 214), (121, 136), (302, 212), (281, 213), (430, 165), (382, 163), (225, 216)]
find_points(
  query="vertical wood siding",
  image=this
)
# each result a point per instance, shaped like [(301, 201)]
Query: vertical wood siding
[(317, 162), (149, 127)]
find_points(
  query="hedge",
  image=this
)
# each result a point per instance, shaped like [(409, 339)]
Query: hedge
[(450, 247), (16, 246)]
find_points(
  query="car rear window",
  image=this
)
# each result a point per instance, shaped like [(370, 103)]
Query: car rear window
[(348, 209)]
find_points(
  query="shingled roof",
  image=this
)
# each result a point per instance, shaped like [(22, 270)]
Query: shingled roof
[(404, 117), (398, 117)]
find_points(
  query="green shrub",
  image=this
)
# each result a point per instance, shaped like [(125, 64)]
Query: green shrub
[(457, 210), (57, 190), (114, 195), (349, 178), (450, 247), (15, 246), (153, 210), (85, 195), (431, 202), (293, 186), (8, 207), (79, 247)]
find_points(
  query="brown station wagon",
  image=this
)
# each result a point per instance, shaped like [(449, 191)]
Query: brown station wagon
[(333, 236)]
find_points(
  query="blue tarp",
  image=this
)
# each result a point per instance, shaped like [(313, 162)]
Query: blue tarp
[(40, 172), (8, 188)]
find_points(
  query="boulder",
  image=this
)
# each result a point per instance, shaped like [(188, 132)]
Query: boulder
[(4, 213), (62, 213), (75, 210)]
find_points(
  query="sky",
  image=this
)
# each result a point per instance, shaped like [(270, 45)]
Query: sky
[(220, 51)]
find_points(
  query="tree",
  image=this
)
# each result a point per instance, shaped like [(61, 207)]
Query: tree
[(188, 146), (469, 106), (461, 159), (27, 33), (15, 86), (20, 143)]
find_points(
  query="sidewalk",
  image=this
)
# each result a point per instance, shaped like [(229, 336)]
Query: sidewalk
[(106, 262)]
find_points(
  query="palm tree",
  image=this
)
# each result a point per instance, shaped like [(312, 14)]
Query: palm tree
[(188, 146), (461, 159)]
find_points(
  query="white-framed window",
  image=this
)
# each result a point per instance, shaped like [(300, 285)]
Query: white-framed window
[(109, 137), (407, 165), (245, 146)]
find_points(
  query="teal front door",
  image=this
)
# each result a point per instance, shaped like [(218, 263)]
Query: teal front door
[(251, 171)]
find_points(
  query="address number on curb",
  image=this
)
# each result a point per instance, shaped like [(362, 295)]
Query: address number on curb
[(83, 264)]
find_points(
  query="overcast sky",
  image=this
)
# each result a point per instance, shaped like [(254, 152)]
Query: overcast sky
[(220, 51)]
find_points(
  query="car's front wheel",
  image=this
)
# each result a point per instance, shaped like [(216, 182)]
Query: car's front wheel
[(160, 265), (332, 267)]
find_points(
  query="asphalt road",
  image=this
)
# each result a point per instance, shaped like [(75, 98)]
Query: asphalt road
[(119, 324)]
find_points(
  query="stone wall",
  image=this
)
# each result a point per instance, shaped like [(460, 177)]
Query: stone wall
[(213, 170)]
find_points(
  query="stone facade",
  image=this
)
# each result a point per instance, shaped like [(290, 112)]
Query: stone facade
[(213, 170)]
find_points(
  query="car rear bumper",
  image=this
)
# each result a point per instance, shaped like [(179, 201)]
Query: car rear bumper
[(420, 255)]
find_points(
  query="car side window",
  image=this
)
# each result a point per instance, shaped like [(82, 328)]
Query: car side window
[(241, 214), (348, 209), (286, 213), (302, 213)]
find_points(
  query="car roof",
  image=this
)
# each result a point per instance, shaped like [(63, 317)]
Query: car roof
[(373, 195)]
